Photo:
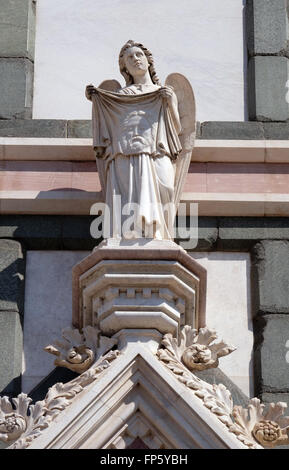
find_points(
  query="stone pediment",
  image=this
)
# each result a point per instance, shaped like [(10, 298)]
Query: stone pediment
[(137, 399)]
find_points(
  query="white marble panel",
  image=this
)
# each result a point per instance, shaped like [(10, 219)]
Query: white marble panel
[(229, 311), (48, 309), (78, 42)]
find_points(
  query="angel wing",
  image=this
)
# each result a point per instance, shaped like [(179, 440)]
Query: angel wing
[(109, 85), (187, 113)]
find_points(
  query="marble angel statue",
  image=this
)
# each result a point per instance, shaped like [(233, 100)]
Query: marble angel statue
[(143, 136)]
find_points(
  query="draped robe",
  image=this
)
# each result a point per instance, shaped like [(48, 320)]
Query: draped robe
[(136, 168)]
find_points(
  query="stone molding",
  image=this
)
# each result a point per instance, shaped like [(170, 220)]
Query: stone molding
[(81, 129), (207, 150), (79, 203), (138, 427)]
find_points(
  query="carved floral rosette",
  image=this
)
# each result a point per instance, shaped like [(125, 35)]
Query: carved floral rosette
[(22, 423), (78, 351), (254, 427)]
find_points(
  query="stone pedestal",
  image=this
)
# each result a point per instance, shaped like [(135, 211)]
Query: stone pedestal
[(139, 284)]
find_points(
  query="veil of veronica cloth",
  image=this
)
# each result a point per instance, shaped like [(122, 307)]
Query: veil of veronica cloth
[(130, 124), (140, 142)]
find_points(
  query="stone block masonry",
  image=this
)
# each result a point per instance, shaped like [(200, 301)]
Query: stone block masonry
[(16, 83), (17, 32), (270, 295), (17, 38), (267, 90), (270, 273), (266, 27), (270, 357), (267, 47)]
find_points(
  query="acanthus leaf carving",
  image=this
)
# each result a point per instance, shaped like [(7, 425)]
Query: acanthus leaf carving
[(22, 423), (254, 428), (269, 428), (195, 348), (78, 351)]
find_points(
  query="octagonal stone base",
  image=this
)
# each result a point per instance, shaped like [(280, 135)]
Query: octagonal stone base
[(139, 284)]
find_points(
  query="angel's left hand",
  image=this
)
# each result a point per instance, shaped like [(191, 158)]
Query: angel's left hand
[(167, 92)]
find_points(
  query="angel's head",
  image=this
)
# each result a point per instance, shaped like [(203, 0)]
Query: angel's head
[(145, 60)]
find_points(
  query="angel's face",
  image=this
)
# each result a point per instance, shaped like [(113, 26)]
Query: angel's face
[(136, 61)]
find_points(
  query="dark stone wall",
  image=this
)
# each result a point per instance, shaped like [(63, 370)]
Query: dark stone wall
[(17, 39), (267, 47), (12, 271), (81, 129)]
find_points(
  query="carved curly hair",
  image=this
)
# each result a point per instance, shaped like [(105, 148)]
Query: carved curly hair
[(128, 78)]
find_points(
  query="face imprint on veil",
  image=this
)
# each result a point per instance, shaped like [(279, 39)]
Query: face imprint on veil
[(137, 132)]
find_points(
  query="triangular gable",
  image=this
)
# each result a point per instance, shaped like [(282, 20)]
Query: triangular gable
[(136, 397)]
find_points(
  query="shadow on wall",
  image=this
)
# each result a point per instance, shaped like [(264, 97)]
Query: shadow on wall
[(12, 389), (245, 61), (12, 285), (12, 270)]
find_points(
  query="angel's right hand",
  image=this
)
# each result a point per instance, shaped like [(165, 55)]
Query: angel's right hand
[(99, 152), (89, 91)]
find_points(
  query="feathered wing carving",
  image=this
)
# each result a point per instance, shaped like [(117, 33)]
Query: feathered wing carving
[(110, 85), (187, 112)]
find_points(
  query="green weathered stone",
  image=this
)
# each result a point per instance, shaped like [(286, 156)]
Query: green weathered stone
[(267, 79), (232, 130), (79, 129), (242, 233), (12, 269), (276, 130), (270, 275), (11, 342), (16, 88), (17, 28), (33, 128), (271, 361), (266, 26)]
